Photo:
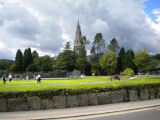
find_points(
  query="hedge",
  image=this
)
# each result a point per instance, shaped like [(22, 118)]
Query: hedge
[(67, 92)]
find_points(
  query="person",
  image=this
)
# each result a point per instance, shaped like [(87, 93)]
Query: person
[(27, 78), (21, 77), (15, 77), (38, 78), (10, 78), (4, 78)]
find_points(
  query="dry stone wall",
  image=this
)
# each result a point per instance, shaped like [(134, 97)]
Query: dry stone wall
[(57, 102)]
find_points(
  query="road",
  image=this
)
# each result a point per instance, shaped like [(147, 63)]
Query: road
[(99, 112), (152, 113)]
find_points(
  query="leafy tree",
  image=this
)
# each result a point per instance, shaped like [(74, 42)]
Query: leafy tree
[(19, 61), (12, 68), (128, 72), (66, 61), (34, 54), (67, 46), (82, 60), (128, 60), (108, 62), (113, 46), (98, 43), (43, 64), (141, 59), (27, 58), (5, 64)]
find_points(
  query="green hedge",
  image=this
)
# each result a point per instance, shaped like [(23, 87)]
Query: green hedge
[(66, 92)]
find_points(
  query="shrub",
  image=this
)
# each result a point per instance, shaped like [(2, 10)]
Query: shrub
[(128, 72)]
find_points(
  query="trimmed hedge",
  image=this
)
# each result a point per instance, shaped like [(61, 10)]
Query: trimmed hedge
[(67, 92)]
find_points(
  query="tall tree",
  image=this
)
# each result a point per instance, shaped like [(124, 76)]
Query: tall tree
[(96, 49), (113, 46), (82, 60), (19, 61), (119, 60), (108, 62), (27, 59), (98, 43), (34, 54), (141, 59)]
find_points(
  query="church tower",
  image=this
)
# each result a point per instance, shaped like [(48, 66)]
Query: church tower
[(78, 38)]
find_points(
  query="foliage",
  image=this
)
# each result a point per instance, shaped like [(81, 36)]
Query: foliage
[(4, 64), (128, 60), (98, 43), (35, 54), (141, 59), (128, 72), (66, 61), (113, 46), (67, 46), (19, 61), (43, 64), (108, 62), (27, 58), (82, 58), (119, 60)]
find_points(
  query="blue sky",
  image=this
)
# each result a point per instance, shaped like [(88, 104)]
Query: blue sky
[(150, 5)]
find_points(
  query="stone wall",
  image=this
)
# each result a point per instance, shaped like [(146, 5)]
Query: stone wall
[(57, 102)]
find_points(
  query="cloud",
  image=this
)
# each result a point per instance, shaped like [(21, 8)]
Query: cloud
[(45, 26), (156, 11)]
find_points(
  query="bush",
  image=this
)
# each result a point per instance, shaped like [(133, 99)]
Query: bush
[(128, 72)]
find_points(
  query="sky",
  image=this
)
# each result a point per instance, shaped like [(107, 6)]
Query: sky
[(45, 25)]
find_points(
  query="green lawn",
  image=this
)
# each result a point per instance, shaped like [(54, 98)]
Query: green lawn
[(104, 83)]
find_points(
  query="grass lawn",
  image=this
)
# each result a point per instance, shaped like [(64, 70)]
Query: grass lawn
[(62, 84)]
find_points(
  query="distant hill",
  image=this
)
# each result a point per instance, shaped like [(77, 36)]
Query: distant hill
[(11, 61)]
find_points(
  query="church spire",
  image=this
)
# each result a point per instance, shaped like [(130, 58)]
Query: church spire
[(78, 38)]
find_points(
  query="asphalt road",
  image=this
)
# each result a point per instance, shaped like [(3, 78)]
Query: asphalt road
[(143, 114)]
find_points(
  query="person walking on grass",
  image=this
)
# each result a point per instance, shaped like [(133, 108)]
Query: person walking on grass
[(10, 78), (4, 78), (38, 78), (27, 78)]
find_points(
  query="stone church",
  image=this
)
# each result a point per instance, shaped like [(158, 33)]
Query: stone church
[(78, 38)]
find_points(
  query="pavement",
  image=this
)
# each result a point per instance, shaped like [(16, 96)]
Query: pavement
[(79, 111)]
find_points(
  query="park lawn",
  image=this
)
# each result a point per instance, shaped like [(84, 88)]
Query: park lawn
[(65, 81), (108, 84)]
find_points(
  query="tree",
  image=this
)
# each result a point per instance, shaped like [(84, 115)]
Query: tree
[(66, 61), (108, 62), (128, 60), (119, 60), (141, 59), (128, 72), (98, 43), (27, 58), (34, 54), (67, 46), (19, 61), (43, 64), (11, 68), (81, 60), (113, 46)]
